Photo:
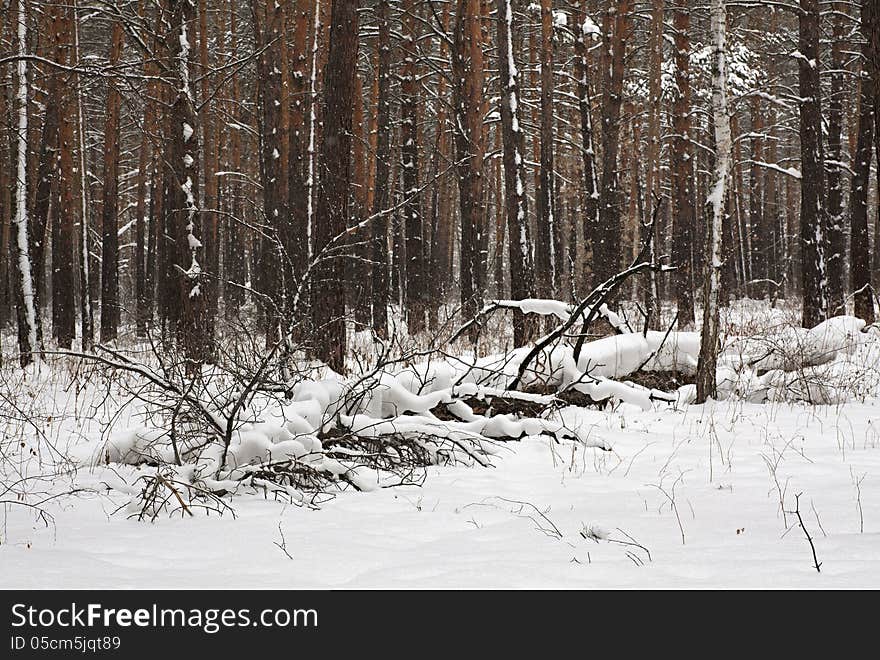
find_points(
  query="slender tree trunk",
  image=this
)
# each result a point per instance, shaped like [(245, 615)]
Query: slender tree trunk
[(182, 194), (382, 196), (860, 270), (545, 244), (332, 209), (522, 278), (208, 216), (836, 242), (706, 365), (274, 267), (616, 29), (235, 255), (87, 321), (6, 188), (27, 316), (63, 247), (653, 178), (110, 309), (300, 105), (409, 152), (684, 209), (46, 178), (814, 232), (467, 71)]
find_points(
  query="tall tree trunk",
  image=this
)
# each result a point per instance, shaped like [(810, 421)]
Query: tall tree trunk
[(522, 277), (684, 210), (860, 269), (706, 365), (467, 71), (300, 105), (653, 178), (586, 30), (836, 242), (6, 187), (382, 196), (63, 247), (110, 308), (331, 213), (235, 259), (208, 216), (545, 243), (27, 316), (814, 233), (182, 194), (409, 153), (46, 178), (86, 311), (274, 267), (142, 307), (616, 28)]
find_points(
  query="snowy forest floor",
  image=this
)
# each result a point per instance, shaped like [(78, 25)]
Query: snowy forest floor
[(689, 496)]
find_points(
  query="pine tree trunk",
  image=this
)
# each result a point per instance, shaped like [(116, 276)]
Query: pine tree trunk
[(110, 309), (522, 278), (300, 105), (467, 71), (182, 195), (836, 239), (208, 216), (681, 157), (63, 247), (545, 243), (382, 196), (409, 152), (813, 230), (331, 212), (860, 268), (606, 251), (274, 271)]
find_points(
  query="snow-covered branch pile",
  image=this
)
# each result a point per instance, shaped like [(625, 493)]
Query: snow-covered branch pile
[(834, 362), (381, 428)]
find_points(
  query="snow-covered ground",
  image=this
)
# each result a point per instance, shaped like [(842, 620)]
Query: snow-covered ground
[(698, 488)]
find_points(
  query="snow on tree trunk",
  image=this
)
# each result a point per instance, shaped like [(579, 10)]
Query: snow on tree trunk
[(273, 274), (545, 243), (706, 365), (814, 234), (27, 335), (522, 277), (85, 301), (415, 292), (586, 28), (181, 204), (109, 226), (836, 238), (382, 196)]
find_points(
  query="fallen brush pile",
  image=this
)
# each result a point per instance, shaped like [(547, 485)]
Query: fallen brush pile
[(385, 427)]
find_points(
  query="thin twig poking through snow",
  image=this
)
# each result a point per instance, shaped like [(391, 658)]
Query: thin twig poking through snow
[(797, 512), (283, 545)]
